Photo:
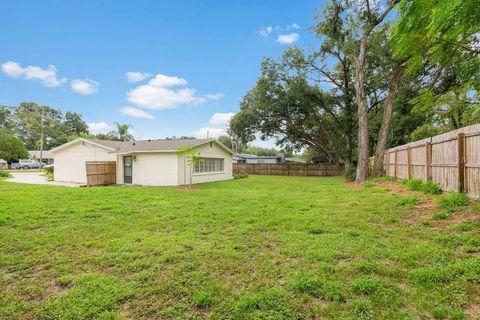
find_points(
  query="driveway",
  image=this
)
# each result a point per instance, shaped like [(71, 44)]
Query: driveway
[(37, 178)]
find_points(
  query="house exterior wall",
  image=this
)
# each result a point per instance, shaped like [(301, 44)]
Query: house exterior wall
[(70, 161), (153, 169), (262, 160), (207, 151)]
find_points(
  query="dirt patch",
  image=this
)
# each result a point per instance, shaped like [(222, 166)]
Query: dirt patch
[(427, 204), (354, 185), (391, 186)]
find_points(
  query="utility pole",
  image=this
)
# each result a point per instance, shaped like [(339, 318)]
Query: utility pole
[(42, 134)]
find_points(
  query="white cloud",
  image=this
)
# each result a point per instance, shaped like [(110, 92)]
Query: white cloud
[(216, 126), (292, 26), (99, 127), (288, 38), (85, 87), (159, 93), (135, 76), (47, 76), (221, 119), (136, 113), (265, 32), (210, 132)]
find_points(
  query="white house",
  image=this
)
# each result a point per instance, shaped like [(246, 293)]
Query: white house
[(145, 162), (251, 158)]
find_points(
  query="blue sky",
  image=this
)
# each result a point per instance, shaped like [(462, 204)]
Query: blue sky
[(190, 61)]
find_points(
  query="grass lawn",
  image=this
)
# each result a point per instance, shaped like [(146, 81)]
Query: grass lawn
[(258, 248)]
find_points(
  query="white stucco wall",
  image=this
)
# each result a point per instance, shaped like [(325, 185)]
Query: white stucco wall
[(154, 169), (207, 151), (70, 161)]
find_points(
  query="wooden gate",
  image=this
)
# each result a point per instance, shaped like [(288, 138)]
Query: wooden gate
[(101, 173)]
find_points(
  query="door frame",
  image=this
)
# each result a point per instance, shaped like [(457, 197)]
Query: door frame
[(131, 170)]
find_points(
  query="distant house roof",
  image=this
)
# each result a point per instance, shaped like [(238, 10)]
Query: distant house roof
[(253, 156), (298, 160), (36, 154), (160, 145)]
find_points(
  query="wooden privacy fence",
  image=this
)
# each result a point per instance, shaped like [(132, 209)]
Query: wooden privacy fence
[(451, 159), (285, 169), (101, 173)]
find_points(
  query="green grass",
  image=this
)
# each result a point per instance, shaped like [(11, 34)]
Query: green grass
[(258, 248)]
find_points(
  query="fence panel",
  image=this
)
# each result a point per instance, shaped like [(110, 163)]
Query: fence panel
[(284, 169), (451, 159), (101, 173)]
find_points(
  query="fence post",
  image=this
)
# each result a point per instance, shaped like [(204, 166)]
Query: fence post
[(386, 162), (395, 169), (461, 161), (269, 169), (428, 161), (409, 162)]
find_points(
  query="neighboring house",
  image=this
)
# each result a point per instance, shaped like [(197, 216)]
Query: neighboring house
[(3, 164), (295, 160), (47, 156), (145, 162), (251, 158)]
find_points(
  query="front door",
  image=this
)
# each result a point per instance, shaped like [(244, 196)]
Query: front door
[(127, 169)]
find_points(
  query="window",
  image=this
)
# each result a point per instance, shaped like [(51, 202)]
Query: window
[(205, 165)]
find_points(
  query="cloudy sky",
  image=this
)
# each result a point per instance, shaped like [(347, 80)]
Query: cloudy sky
[(166, 67)]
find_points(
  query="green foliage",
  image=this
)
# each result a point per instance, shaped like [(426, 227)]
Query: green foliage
[(11, 148), (49, 169), (367, 286), (123, 132), (427, 187), (240, 175), (350, 173), (441, 215), (4, 174), (415, 184), (453, 201)]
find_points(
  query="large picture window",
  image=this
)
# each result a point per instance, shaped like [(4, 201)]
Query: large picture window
[(206, 165)]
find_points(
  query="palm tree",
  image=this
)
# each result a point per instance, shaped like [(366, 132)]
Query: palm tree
[(123, 133)]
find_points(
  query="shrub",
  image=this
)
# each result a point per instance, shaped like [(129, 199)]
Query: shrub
[(240, 175), (4, 174), (350, 173), (452, 202), (431, 188), (48, 169), (414, 184), (419, 185)]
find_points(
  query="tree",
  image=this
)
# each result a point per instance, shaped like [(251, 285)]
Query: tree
[(6, 117), (439, 39), (11, 148), (74, 123), (370, 17), (226, 141), (191, 157), (123, 132)]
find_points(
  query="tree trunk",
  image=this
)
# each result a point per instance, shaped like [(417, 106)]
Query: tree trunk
[(387, 120), (363, 149), (363, 152)]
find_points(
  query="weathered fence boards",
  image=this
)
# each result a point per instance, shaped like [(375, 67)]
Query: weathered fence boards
[(101, 173), (451, 159), (284, 169)]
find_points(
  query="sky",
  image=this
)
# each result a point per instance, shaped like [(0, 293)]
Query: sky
[(168, 68)]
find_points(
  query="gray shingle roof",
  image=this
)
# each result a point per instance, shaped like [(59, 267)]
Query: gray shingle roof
[(150, 145)]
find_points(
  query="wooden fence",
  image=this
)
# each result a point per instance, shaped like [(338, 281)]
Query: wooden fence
[(451, 159), (101, 173), (286, 169)]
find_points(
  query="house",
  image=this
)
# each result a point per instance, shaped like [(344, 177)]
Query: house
[(251, 158), (145, 162), (3, 164), (47, 156)]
